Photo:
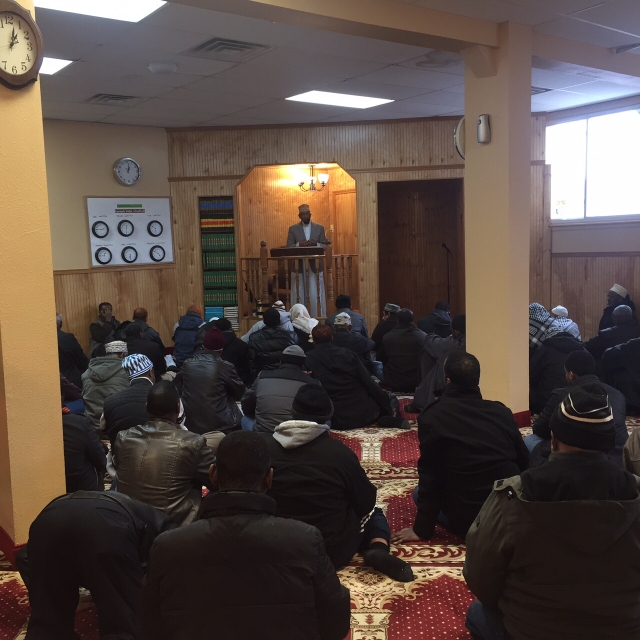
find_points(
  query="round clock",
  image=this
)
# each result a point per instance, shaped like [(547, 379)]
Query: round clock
[(459, 137), (100, 229), (21, 48), (126, 171), (129, 254), (103, 255), (157, 253), (155, 228), (125, 228)]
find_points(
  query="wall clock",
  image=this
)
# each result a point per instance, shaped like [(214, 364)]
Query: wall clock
[(129, 254), (126, 171), (157, 253), (125, 228), (100, 229), (459, 137), (21, 48), (155, 228), (103, 255)]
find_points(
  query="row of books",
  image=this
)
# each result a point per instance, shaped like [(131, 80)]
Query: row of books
[(219, 260), (222, 297), (220, 279), (232, 314), (217, 241)]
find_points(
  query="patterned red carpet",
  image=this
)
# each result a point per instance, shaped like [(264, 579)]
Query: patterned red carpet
[(430, 608)]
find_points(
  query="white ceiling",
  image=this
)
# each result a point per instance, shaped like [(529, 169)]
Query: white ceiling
[(113, 57)]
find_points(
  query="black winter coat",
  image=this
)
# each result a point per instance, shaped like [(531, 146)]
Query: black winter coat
[(466, 444), (240, 573), (211, 387), (402, 356), (608, 338), (73, 363), (235, 350), (382, 328), (84, 455), (323, 484), (127, 408), (438, 322), (267, 345), (607, 320), (151, 350), (355, 342), (621, 369), (357, 400), (546, 368)]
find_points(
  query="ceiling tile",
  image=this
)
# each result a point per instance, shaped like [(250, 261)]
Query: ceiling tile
[(556, 80), (207, 110), (583, 32), (70, 109), (600, 90), (145, 37), (443, 98), (359, 87), (623, 15), (129, 116), (562, 7), (559, 99), (197, 93), (405, 109), (413, 78), (441, 61), (236, 120)]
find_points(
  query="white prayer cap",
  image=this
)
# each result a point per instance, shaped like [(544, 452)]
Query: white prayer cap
[(621, 291), (560, 311), (342, 319)]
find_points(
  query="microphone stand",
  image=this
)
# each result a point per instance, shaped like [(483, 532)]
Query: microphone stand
[(444, 246)]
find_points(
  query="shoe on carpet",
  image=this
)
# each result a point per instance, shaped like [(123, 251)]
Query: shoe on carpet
[(381, 560), (411, 408)]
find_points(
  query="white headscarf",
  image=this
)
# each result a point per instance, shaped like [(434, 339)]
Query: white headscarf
[(301, 319)]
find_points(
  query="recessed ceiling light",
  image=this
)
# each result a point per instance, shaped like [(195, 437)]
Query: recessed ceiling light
[(53, 65), (339, 99), (127, 10)]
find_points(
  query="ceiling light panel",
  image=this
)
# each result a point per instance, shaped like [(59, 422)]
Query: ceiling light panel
[(339, 99), (125, 10), (53, 65)]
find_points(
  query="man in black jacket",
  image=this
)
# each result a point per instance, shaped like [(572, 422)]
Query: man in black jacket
[(358, 401), (101, 328), (236, 351), (140, 317), (137, 343), (616, 296), (343, 336), (401, 354), (580, 370), (389, 321), (546, 368), (320, 481), (72, 361), (438, 321), (625, 328), (268, 401), (466, 444), (267, 344), (621, 369), (239, 572), (211, 387), (94, 540)]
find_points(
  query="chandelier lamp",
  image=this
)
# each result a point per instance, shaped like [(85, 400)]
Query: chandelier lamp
[(311, 184)]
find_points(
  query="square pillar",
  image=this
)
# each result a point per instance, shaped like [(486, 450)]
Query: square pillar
[(31, 451), (497, 210)]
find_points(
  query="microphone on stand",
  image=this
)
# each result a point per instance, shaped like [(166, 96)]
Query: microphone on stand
[(449, 253)]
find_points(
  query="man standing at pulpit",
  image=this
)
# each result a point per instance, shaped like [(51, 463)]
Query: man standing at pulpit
[(308, 234)]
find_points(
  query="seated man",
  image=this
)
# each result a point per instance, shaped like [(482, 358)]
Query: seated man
[(466, 444), (343, 336), (437, 350), (343, 305), (285, 321), (93, 540), (402, 353), (554, 551), (211, 387), (104, 376), (546, 368), (580, 369), (128, 408), (358, 401), (564, 323), (267, 344), (184, 334), (389, 321), (101, 329), (239, 572), (137, 343), (161, 464), (625, 328), (320, 481), (616, 296), (267, 402), (235, 351), (73, 363), (140, 317), (621, 369), (438, 321)]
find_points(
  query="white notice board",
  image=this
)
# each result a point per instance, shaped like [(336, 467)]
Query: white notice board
[(128, 232)]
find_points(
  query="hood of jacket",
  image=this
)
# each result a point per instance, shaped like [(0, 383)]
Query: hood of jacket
[(103, 368), (230, 503), (440, 317), (294, 433), (564, 342)]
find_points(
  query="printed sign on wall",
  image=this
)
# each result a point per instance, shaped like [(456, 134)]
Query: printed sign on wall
[(129, 231)]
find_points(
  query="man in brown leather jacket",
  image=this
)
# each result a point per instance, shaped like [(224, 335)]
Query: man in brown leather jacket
[(162, 464)]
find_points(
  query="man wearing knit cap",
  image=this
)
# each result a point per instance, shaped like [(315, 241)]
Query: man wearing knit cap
[(555, 552), (103, 377), (268, 401), (345, 337), (319, 480), (564, 323), (211, 387), (616, 296)]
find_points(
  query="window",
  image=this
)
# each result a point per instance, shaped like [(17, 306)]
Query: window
[(595, 166)]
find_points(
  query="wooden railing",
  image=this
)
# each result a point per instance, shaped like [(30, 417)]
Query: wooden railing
[(266, 279)]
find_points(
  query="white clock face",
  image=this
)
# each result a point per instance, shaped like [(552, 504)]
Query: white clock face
[(125, 228), (100, 229), (155, 228), (17, 44), (103, 255), (129, 254), (157, 253), (126, 171)]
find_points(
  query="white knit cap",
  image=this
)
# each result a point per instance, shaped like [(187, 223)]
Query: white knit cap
[(621, 291), (560, 311), (342, 320)]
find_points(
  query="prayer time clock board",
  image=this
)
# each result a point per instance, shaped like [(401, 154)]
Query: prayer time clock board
[(130, 232)]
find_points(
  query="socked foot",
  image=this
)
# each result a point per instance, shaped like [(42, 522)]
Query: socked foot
[(384, 562)]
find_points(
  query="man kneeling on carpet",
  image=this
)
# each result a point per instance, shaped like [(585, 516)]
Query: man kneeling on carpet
[(319, 480), (239, 572), (466, 444), (555, 551)]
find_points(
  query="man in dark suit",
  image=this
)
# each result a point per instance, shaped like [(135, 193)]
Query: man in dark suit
[(308, 234), (73, 363)]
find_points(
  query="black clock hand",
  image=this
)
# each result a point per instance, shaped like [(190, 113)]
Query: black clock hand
[(14, 38)]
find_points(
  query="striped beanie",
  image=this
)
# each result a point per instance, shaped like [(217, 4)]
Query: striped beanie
[(136, 365), (584, 419)]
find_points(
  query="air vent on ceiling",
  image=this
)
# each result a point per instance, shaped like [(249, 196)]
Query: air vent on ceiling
[(227, 50), (113, 99), (536, 90)]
